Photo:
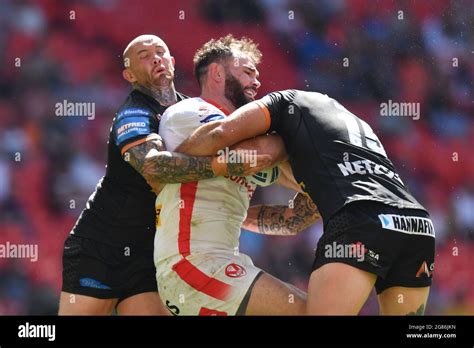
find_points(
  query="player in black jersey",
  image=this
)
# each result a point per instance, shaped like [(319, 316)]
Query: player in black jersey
[(108, 257), (375, 232)]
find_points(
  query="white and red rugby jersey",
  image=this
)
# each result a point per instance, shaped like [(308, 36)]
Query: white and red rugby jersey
[(203, 216)]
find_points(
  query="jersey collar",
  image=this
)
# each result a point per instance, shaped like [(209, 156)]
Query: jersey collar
[(221, 108)]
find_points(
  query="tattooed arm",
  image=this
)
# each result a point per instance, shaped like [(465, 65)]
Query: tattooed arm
[(160, 167), (282, 220)]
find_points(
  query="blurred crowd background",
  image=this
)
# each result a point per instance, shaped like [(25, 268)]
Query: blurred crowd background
[(405, 51)]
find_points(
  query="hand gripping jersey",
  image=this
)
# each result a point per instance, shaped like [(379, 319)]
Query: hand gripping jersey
[(198, 228)]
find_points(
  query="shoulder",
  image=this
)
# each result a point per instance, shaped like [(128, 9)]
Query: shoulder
[(287, 95), (195, 108), (134, 119), (134, 106)]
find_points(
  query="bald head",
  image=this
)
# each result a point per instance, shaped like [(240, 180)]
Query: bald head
[(148, 62), (139, 43)]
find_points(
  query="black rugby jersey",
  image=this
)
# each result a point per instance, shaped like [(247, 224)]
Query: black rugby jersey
[(121, 211), (335, 156)]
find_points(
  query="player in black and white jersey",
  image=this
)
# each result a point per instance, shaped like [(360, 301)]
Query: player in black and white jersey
[(386, 236)]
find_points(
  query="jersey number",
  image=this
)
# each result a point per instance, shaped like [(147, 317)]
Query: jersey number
[(360, 133)]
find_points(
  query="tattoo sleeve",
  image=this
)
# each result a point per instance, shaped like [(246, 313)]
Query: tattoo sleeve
[(283, 220), (160, 167)]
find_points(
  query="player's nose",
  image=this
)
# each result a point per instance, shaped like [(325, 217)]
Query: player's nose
[(256, 83), (156, 60)]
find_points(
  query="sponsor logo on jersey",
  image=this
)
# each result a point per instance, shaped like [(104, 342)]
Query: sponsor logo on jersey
[(92, 283), (134, 112), (210, 118), (126, 126), (130, 127), (234, 270), (364, 167), (242, 181), (372, 257), (407, 224), (425, 270)]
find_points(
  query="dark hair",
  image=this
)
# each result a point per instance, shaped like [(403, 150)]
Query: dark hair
[(221, 49)]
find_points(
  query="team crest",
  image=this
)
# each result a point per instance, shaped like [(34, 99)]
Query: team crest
[(235, 271)]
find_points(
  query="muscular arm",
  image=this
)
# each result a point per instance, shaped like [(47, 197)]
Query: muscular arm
[(160, 167), (282, 220), (265, 151), (244, 123)]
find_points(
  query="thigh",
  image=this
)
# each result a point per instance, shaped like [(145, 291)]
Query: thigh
[(338, 289), (399, 300), (271, 296), (74, 304), (147, 303)]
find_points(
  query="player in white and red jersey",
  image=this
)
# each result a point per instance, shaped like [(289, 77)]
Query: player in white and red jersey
[(199, 268)]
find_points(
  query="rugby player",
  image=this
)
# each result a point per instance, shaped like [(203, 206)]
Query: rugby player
[(342, 165), (108, 256), (200, 270)]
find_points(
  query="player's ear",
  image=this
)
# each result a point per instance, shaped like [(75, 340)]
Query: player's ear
[(128, 75), (216, 72), (172, 63)]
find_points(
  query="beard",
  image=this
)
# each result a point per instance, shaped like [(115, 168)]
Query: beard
[(163, 80), (234, 91)]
